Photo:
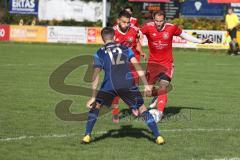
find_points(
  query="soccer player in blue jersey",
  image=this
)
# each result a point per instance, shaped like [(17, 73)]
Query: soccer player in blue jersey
[(115, 60)]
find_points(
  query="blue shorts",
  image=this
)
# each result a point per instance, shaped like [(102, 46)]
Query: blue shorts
[(131, 96)]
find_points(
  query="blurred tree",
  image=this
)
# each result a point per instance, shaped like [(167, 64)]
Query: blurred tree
[(117, 6), (92, 0)]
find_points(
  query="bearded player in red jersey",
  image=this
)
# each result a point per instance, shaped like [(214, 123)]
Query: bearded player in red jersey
[(127, 35), (160, 66)]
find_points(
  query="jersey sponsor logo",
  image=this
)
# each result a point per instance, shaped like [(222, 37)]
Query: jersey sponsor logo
[(166, 35), (154, 34), (130, 39), (159, 45)]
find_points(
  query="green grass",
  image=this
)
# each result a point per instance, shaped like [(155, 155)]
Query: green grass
[(206, 96)]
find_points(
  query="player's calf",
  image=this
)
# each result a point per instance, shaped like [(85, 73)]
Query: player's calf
[(92, 118), (149, 120), (115, 110), (161, 101), (115, 113)]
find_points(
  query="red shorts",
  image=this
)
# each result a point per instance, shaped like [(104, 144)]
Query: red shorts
[(157, 71), (116, 100)]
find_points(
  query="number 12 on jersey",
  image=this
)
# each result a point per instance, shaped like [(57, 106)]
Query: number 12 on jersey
[(119, 53)]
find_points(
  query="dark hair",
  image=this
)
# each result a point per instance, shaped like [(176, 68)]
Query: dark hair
[(107, 33), (124, 14), (159, 13), (128, 7)]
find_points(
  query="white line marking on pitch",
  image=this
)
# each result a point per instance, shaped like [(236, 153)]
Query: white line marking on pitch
[(40, 136), (104, 132)]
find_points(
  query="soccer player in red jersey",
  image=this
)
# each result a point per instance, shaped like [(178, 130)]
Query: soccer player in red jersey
[(160, 66), (127, 35)]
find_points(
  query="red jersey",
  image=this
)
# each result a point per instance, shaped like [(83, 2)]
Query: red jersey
[(129, 39), (160, 42)]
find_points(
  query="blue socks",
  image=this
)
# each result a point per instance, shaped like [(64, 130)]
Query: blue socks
[(149, 120), (92, 118)]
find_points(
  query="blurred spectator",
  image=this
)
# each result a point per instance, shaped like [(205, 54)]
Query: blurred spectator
[(21, 22), (232, 22), (34, 21)]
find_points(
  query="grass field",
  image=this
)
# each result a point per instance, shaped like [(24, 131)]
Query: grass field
[(203, 113)]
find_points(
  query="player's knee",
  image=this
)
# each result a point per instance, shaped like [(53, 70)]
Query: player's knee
[(96, 105), (164, 84), (115, 106), (147, 117), (142, 109), (139, 104), (93, 113)]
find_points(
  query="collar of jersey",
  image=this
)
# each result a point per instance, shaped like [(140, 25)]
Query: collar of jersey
[(162, 28), (110, 44), (119, 30)]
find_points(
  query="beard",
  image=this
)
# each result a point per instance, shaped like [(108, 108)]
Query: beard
[(123, 29), (160, 27)]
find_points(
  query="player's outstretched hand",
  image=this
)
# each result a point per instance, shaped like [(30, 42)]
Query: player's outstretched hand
[(143, 54), (147, 90), (90, 102), (206, 41)]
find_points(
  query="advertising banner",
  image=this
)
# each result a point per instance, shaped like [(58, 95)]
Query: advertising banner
[(201, 8), (28, 33), (238, 37), (236, 8), (223, 1), (94, 35), (71, 10), (66, 34), (4, 32), (149, 0), (23, 6), (219, 38), (171, 9)]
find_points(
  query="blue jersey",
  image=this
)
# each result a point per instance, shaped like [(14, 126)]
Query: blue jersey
[(114, 59)]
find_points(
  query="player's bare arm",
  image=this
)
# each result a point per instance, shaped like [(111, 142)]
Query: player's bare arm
[(193, 39), (140, 50), (139, 46), (95, 80), (141, 74)]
